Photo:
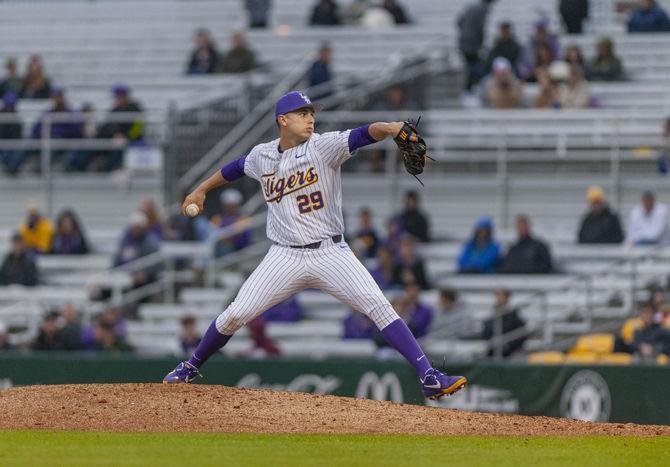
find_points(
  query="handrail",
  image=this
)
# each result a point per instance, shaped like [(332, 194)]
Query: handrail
[(499, 340)]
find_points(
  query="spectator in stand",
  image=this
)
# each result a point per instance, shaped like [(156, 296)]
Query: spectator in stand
[(190, 337), (36, 231), (319, 73), (574, 57), (471, 34), (69, 238), (452, 319), (121, 129), (325, 13), (204, 57), (606, 66), (651, 339), (528, 255), (190, 229), (70, 334), (12, 128), (648, 16), (409, 267), (377, 17), (648, 221), (358, 326), (111, 317), (480, 254), (61, 127), (503, 89), (231, 217), (543, 61), (505, 46), (107, 340), (397, 11), (263, 346), (78, 161), (137, 242), (573, 14), (419, 315), (35, 83), (240, 58), (543, 48), (600, 224), (48, 337), (547, 96), (383, 273), (288, 311), (663, 154), (412, 220), (367, 234), (505, 319), (11, 82), (18, 266), (354, 11), (258, 12), (4, 338), (575, 94), (156, 222)]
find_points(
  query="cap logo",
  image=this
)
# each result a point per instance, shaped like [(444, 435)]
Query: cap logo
[(304, 98)]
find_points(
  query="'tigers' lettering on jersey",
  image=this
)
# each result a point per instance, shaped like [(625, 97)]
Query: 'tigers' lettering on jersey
[(275, 188)]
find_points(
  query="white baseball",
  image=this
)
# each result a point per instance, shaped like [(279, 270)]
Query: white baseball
[(192, 210)]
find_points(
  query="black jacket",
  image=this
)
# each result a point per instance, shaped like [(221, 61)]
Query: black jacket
[(527, 256), (416, 223), (18, 269), (654, 335), (417, 269), (10, 130), (600, 228), (510, 322), (509, 49)]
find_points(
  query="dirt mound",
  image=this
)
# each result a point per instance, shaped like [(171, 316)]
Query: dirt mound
[(158, 407)]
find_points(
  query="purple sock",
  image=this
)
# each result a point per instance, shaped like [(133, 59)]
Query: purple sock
[(211, 342), (401, 338)]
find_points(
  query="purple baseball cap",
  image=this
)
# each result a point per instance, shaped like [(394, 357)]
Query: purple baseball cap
[(294, 100), (120, 89)]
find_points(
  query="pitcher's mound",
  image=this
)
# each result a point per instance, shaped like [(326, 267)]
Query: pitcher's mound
[(158, 407)]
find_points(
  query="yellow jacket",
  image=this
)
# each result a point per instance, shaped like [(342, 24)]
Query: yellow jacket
[(39, 237)]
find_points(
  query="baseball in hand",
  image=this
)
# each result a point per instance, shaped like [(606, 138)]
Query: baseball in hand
[(192, 210)]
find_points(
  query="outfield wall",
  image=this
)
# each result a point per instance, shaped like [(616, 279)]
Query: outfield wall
[(637, 393)]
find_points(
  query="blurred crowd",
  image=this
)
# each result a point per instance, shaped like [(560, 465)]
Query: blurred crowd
[(62, 122), (495, 77), (393, 257)]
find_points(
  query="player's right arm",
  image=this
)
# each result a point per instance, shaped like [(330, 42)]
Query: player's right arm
[(229, 172)]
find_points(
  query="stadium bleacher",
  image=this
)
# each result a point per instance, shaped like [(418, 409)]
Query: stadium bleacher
[(550, 158)]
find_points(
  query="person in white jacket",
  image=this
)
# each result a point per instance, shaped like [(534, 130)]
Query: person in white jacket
[(648, 221)]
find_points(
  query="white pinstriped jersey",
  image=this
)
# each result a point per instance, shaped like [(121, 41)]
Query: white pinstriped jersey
[(302, 187)]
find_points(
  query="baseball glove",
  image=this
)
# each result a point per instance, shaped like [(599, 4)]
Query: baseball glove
[(413, 152)]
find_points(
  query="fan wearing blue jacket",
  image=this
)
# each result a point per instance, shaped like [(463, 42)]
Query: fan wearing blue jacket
[(481, 254)]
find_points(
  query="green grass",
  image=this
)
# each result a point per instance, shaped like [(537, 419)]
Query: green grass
[(201, 449)]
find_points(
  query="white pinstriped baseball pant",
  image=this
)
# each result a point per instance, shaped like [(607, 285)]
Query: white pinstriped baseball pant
[(332, 268)]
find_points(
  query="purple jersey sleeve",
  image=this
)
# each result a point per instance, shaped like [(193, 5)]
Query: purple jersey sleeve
[(234, 170), (359, 137)]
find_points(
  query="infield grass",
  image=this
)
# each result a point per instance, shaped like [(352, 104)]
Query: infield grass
[(21, 448)]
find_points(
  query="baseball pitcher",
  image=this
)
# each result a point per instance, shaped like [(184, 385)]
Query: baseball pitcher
[(299, 174)]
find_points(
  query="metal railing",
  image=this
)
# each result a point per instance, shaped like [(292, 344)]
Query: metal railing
[(629, 269)]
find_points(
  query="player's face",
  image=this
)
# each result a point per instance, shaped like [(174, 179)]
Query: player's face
[(300, 122)]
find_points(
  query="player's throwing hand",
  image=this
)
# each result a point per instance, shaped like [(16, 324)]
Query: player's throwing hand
[(197, 197)]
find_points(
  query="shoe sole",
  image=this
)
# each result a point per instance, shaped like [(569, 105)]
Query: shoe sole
[(454, 388)]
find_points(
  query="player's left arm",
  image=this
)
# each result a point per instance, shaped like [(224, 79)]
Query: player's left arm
[(382, 130)]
